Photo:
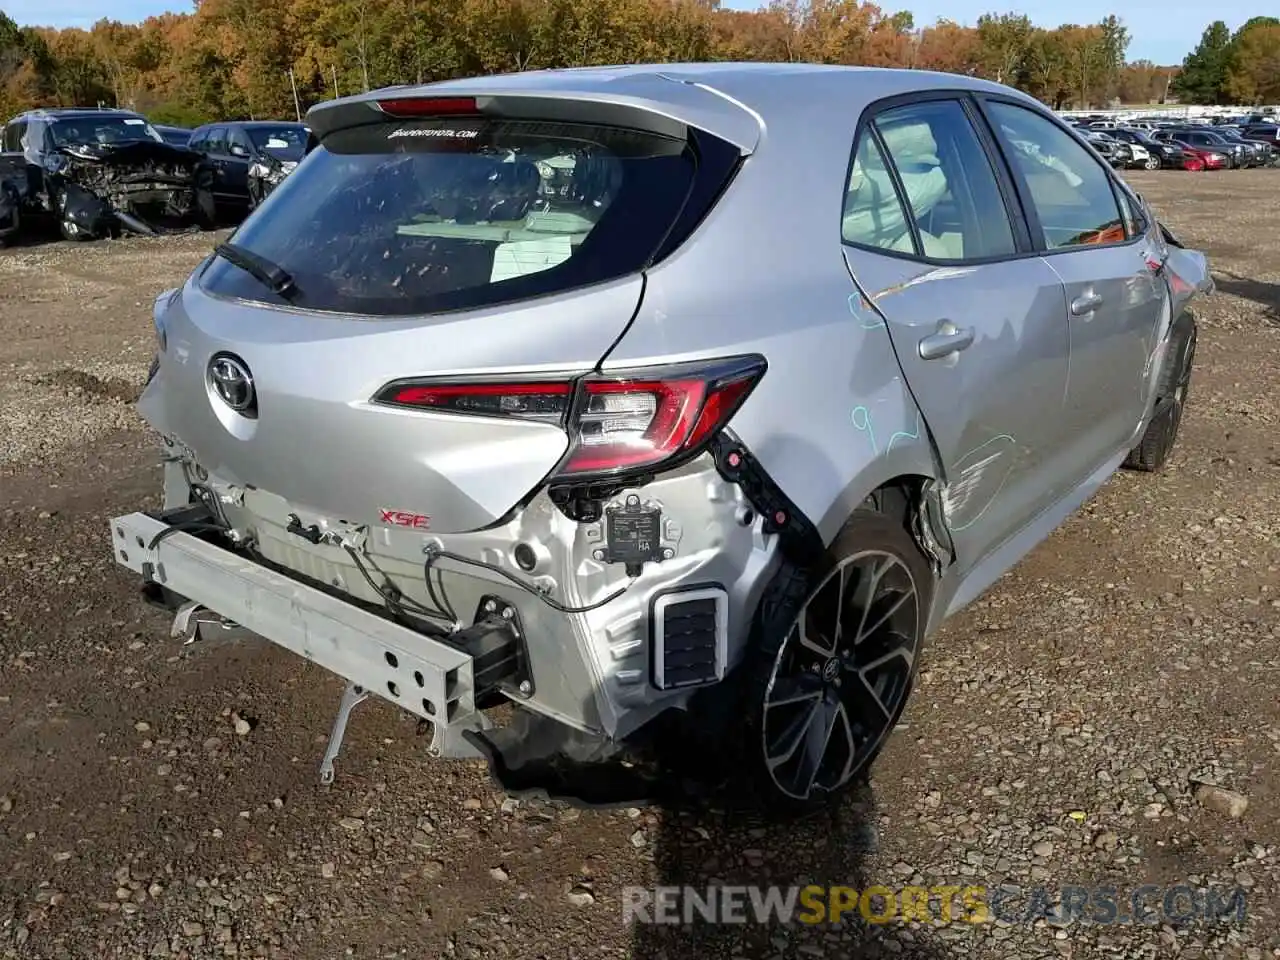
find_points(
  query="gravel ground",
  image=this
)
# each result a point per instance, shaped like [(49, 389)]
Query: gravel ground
[(1097, 718)]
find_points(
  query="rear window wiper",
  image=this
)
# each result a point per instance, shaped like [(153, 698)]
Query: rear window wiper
[(269, 274)]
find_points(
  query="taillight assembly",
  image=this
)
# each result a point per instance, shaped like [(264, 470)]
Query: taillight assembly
[(635, 421)]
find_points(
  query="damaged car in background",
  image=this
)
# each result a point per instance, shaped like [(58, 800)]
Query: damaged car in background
[(97, 173), (536, 392), (247, 159)]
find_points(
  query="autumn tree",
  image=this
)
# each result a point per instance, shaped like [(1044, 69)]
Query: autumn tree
[(237, 58), (1003, 42), (1253, 69), (948, 47)]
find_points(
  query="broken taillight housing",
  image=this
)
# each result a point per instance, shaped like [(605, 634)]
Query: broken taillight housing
[(635, 421)]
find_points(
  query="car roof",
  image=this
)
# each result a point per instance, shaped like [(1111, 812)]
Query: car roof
[(735, 101), (77, 113), (252, 123)]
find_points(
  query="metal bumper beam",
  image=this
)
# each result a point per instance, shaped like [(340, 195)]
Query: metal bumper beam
[(417, 673)]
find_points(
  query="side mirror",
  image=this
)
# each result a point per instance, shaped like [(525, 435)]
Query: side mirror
[(239, 151)]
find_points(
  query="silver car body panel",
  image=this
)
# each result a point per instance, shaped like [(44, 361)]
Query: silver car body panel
[(1015, 433)]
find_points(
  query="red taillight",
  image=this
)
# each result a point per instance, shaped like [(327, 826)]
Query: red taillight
[(545, 402), (428, 106), (623, 423), (629, 423)]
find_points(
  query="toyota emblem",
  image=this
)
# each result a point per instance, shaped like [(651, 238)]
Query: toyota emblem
[(233, 383)]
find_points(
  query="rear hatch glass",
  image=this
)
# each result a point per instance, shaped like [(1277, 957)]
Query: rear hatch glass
[(405, 217)]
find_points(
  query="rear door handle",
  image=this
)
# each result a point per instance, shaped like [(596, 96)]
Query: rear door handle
[(949, 340), (1086, 303)]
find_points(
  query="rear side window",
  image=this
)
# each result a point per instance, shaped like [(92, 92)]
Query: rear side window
[(873, 213), (13, 136), (1068, 186), (956, 207), (953, 192), (412, 217)]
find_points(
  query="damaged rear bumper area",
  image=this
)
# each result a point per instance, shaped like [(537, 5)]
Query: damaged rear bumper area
[(216, 591)]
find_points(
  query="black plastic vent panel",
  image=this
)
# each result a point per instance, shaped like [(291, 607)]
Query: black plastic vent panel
[(689, 637)]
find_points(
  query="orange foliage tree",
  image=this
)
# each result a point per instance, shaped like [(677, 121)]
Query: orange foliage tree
[(243, 58)]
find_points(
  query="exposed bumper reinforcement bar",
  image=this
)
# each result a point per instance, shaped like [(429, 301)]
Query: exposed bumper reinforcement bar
[(424, 676)]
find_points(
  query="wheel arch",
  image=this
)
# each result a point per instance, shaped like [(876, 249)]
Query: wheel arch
[(906, 488)]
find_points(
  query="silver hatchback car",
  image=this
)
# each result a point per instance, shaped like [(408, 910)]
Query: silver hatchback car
[(625, 394)]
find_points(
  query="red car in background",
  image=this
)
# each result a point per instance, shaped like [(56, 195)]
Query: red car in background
[(1206, 158)]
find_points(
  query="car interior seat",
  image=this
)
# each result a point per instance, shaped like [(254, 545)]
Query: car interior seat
[(875, 215)]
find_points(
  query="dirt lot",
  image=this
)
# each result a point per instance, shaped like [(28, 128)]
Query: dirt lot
[(1057, 737)]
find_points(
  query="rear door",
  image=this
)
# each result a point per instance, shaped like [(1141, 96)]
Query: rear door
[(934, 239), (215, 149), (1089, 236)]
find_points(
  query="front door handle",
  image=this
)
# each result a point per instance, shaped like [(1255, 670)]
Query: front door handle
[(1085, 303), (949, 340)]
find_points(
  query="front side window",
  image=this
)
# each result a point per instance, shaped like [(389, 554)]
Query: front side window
[(1068, 186), (951, 189), (283, 142), (402, 218), (238, 139)]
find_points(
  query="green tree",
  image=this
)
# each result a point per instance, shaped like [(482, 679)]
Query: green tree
[(1204, 71), (1003, 42), (1115, 44), (1253, 74)]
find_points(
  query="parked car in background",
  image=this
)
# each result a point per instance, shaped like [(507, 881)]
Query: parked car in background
[(1158, 154), (1116, 152), (1191, 161), (1265, 151), (1257, 153), (178, 136), (247, 159), (96, 172), (1264, 132), (1236, 154), (431, 425), (1210, 159)]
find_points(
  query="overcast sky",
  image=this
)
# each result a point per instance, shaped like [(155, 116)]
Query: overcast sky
[(1162, 30)]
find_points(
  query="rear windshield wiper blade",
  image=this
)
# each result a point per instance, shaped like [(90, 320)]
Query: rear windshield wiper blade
[(271, 275)]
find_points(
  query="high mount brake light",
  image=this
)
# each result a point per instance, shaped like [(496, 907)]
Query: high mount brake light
[(624, 423), (405, 107)]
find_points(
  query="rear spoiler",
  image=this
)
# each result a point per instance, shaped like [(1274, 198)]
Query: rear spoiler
[(650, 102)]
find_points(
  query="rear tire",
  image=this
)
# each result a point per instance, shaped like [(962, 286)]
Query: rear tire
[(1161, 435), (832, 663), (1152, 163)]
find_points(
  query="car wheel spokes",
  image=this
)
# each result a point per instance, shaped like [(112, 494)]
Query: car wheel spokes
[(841, 676)]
